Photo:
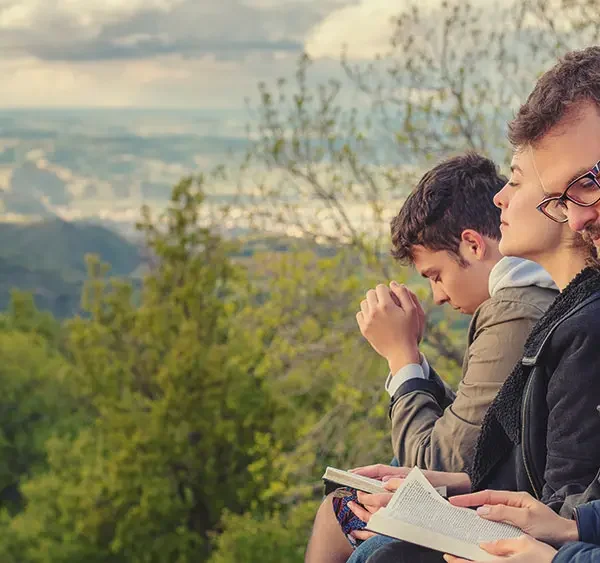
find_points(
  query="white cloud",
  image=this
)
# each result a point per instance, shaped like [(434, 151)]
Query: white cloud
[(83, 13), (168, 81), (162, 53), (364, 28), (105, 29)]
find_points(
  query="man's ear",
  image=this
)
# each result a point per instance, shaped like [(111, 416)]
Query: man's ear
[(473, 244)]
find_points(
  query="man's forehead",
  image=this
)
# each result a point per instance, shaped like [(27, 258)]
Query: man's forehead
[(426, 259), (571, 145)]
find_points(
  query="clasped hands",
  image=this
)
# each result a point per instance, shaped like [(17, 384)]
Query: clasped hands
[(392, 320)]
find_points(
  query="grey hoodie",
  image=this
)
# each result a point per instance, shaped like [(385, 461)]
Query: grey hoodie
[(518, 272)]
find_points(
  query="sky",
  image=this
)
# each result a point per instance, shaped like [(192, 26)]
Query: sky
[(174, 53)]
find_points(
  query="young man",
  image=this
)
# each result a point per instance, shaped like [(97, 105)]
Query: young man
[(449, 229), (558, 127)]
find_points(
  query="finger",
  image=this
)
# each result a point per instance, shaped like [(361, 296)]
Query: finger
[(378, 470), (384, 295), (372, 299), (362, 534), (481, 498), (359, 511), (360, 319), (405, 299), (505, 547), (364, 307), (393, 484), (376, 501)]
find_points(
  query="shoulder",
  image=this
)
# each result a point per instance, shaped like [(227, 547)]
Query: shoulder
[(583, 323), (514, 303), (574, 343), (529, 297)]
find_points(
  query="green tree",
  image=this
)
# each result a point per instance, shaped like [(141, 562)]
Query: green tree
[(37, 400), (179, 409)]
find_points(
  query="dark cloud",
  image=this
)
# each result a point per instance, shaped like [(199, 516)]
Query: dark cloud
[(228, 29)]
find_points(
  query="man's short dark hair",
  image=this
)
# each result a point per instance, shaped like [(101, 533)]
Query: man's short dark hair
[(574, 79), (455, 195)]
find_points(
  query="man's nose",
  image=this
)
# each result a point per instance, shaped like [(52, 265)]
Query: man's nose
[(439, 296), (581, 217)]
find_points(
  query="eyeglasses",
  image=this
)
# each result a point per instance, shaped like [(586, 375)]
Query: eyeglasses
[(583, 191)]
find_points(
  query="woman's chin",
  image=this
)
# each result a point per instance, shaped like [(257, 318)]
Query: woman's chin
[(506, 248)]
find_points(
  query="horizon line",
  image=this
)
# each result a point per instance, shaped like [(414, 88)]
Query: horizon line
[(121, 108)]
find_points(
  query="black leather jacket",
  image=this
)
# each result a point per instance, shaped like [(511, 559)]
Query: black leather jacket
[(559, 454)]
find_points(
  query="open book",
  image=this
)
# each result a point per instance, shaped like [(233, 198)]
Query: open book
[(418, 514), (339, 477)]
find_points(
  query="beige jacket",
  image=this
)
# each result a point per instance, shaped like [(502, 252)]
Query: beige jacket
[(424, 434)]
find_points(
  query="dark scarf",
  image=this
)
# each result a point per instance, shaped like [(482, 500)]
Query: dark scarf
[(501, 427)]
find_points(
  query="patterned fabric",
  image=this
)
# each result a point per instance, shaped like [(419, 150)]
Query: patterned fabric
[(347, 519)]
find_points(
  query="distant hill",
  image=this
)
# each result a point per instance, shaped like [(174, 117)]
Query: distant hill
[(50, 290), (57, 245), (48, 259)]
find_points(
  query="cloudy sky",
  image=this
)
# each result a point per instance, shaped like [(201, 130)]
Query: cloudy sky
[(172, 53)]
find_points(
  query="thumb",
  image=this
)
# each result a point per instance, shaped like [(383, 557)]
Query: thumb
[(502, 513), (392, 484)]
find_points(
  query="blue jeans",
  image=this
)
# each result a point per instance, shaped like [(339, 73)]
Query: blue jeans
[(367, 548)]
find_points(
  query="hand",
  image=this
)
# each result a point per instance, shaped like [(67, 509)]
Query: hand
[(392, 331), (370, 505), (456, 483), (519, 550), (523, 511), (379, 471)]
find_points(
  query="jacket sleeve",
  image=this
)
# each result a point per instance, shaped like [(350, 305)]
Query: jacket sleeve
[(431, 437), (573, 500), (573, 430), (588, 522), (578, 552)]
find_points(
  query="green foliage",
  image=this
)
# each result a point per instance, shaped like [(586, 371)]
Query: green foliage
[(281, 536), (36, 399), (177, 412)]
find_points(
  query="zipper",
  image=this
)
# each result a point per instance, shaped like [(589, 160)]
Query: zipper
[(523, 410)]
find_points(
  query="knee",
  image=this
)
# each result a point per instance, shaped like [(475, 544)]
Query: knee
[(325, 510)]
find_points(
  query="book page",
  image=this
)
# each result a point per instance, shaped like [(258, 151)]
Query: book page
[(418, 503), (418, 514)]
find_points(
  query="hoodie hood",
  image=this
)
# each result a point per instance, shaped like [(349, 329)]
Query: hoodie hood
[(518, 272)]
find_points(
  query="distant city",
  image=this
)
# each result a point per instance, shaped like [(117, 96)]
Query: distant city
[(103, 164)]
